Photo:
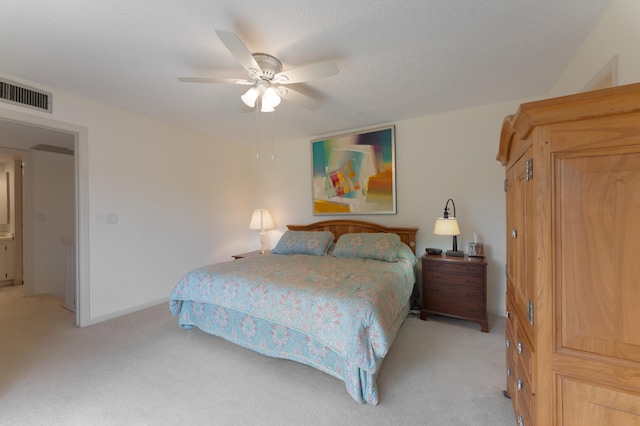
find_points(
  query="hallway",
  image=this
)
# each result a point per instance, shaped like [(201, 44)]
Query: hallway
[(10, 293)]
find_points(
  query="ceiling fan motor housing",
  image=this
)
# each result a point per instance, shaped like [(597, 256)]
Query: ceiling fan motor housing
[(269, 66)]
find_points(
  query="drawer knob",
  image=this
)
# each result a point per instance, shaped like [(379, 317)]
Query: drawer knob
[(520, 421), (514, 233), (507, 315), (508, 371), (519, 347), (507, 343), (520, 385)]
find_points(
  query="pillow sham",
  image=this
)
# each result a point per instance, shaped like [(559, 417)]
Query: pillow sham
[(315, 243), (405, 252), (378, 246)]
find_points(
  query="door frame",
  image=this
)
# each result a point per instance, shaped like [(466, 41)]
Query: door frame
[(81, 157)]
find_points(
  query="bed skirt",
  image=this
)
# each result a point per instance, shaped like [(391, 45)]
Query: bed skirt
[(277, 340)]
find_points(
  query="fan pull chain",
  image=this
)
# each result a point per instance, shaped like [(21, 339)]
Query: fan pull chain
[(257, 134), (271, 119)]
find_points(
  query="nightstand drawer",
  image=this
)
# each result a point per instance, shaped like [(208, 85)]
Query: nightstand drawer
[(442, 277), (438, 291), (461, 296), (460, 309), (458, 268)]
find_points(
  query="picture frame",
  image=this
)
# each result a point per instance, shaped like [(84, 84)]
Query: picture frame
[(354, 173)]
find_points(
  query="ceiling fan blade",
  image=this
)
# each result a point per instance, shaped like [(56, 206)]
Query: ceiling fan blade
[(239, 50), (298, 98), (213, 80), (306, 73)]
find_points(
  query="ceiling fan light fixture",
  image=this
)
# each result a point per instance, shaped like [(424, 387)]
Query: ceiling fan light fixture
[(249, 98), (271, 97), (267, 107), (265, 72)]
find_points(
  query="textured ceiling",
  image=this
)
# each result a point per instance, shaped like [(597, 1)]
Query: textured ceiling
[(397, 59)]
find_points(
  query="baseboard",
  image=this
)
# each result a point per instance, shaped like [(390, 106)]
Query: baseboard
[(130, 310)]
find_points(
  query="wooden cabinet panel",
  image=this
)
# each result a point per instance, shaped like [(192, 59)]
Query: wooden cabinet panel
[(600, 193), (524, 394), (511, 373), (588, 403)]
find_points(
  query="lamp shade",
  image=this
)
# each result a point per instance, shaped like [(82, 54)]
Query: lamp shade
[(261, 219), (446, 226)]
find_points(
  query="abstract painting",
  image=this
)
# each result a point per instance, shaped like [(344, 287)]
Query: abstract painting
[(354, 173)]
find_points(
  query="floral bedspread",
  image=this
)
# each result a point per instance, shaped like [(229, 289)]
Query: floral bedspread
[(340, 315)]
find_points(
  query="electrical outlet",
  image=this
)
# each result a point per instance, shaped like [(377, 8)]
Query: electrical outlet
[(111, 218)]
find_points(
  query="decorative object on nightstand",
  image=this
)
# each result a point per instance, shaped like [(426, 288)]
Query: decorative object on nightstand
[(448, 225), (476, 249), (455, 287), (262, 221)]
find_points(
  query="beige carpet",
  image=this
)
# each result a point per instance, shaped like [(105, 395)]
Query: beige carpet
[(142, 369)]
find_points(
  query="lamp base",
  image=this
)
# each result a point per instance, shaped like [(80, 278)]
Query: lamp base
[(455, 253)]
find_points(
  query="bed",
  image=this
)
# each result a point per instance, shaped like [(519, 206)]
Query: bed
[(331, 295)]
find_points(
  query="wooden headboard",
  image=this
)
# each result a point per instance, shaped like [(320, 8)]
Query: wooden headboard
[(339, 227)]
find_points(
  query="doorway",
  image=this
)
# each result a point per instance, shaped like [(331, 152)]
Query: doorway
[(20, 132)]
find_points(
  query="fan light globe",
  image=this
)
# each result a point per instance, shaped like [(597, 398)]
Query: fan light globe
[(270, 100), (271, 97), (250, 97), (266, 107)]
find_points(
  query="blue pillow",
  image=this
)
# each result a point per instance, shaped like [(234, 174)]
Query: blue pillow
[(378, 246), (315, 243)]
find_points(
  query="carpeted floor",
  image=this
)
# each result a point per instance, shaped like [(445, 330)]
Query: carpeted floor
[(142, 369)]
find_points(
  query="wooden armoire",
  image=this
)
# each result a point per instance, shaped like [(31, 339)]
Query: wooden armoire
[(573, 273)]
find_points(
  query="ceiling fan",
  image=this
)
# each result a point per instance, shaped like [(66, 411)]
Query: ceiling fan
[(266, 78)]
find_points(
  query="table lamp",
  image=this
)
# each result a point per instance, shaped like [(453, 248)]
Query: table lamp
[(262, 221), (448, 225)]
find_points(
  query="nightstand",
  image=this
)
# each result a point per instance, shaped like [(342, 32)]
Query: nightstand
[(455, 287), (248, 254)]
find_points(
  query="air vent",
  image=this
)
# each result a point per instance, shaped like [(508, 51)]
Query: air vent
[(18, 94)]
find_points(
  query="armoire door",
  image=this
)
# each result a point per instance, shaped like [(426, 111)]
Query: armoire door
[(597, 285)]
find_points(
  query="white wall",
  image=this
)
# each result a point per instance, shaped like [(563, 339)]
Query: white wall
[(54, 210), (617, 33), (437, 157), (177, 195)]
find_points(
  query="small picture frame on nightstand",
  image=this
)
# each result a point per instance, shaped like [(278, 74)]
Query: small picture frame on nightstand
[(476, 250)]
